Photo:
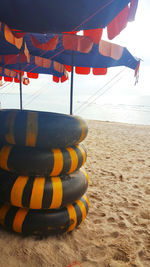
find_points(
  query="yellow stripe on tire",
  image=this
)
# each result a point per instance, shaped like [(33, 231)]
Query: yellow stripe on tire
[(86, 199), (57, 197), (32, 129), (19, 219), (83, 153), (3, 211), (58, 158), (74, 159), (4, 154), (86, 175), (83, 127), (82, 208), (72, 216), (10, 121), (37, 193), (17, 191)]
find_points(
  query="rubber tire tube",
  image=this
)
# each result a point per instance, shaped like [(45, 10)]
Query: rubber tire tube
[(41, 129), (40, 161), (44, 222), (42, 192)]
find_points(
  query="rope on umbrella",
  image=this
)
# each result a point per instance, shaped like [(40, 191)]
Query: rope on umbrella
[(37, 94), (83, 106)]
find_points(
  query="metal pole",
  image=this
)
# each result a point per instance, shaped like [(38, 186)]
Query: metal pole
[(71, 88), (20, 90)]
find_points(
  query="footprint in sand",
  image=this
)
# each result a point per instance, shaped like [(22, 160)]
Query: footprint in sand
[(102, 214), (121, 218), (115, 234), (135, 186), (145, 215), (120, 255), (110, 220), (135, 204), (141, 160), (144, 256), (122, 225), (97, 221), (147, 191)]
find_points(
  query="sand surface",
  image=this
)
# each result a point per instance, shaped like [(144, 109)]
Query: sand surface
[(116, 232)]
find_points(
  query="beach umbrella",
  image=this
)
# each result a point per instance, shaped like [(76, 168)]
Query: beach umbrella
[(50, 51), (81, 52), (14, 66), (65, 15), (86, 53), (62, 49), (35, 65), (13, 61), (14, 53), (76, 15)]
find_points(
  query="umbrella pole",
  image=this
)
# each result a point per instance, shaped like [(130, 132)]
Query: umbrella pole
[(20, 90), (71, 88)]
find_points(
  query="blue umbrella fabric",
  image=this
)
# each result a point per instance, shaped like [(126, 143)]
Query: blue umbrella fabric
[(36, 65), (40, 50), (85, 52), (12, 57), (57, 16)]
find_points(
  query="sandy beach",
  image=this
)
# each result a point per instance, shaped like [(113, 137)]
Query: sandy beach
[(116, 232)]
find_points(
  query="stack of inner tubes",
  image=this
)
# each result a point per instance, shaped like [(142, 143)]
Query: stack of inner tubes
[(42, 185)]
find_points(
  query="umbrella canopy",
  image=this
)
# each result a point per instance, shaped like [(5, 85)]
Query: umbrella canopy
[(47, 53), (65, 16), (85, 52), (12, 56), (35, 65), (62, 16)]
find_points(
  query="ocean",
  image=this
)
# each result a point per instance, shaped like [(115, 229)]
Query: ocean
[(116, 104), (122, 110), (133, 114)]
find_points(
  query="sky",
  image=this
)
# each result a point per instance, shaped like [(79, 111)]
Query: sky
[(135, 36), (45, 95)]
